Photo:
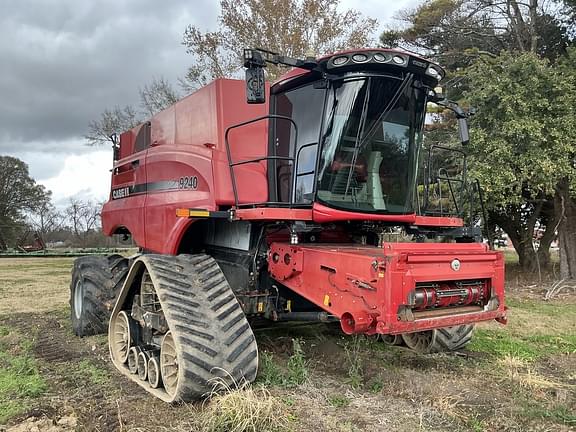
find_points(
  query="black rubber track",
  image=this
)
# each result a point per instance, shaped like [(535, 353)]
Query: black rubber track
[(452, 338), (443, 339), (211, 332), (102, 278)]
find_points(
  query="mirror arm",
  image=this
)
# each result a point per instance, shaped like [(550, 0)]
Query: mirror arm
[(452, 106)]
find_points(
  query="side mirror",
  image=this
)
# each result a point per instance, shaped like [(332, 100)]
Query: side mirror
[(463, 130), (255, 86)]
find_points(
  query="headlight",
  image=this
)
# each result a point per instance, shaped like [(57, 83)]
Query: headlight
[(359, 58), (380, 58), (339, 61)]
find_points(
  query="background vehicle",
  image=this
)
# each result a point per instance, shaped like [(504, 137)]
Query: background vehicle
[(280, 208)]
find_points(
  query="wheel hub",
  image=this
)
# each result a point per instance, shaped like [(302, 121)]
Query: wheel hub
[(78, 299)]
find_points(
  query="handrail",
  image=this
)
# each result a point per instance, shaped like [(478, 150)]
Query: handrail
[(447, 178), (274, 157)]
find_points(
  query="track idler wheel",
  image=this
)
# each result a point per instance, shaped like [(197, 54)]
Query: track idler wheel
[(439, 340), (169, 364), (208, 334)]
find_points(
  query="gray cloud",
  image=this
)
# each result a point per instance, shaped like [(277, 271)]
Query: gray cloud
[(62, 62)]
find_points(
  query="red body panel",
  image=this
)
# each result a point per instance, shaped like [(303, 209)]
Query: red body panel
[(369, 287), (187, 140)]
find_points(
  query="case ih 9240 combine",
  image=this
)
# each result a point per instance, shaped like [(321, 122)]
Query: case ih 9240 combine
[(276, 208)]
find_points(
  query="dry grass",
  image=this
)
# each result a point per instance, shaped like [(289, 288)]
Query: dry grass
[(34, 284), (242, 408), (520, 372)]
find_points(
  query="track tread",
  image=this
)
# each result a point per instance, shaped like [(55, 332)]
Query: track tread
[(210, 330), (446, 339)]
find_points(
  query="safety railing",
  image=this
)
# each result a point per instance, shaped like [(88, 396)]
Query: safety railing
[(292, 160)]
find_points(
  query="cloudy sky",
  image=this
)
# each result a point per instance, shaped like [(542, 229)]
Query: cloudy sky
[(62, 62)]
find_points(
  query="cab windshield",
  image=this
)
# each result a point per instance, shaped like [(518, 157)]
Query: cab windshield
[(370, 141)]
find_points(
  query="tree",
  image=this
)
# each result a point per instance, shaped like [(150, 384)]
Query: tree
[(294, 28), (565, 198), (19, 194), (157, 95), (460, 33), (84, 218), (46, 221), (457, 32), (154, 97), (523, 144)]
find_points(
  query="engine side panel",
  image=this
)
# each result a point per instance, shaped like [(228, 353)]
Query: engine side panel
[(182, 163)]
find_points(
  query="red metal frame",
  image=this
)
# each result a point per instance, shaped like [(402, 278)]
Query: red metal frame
[(368, 288)]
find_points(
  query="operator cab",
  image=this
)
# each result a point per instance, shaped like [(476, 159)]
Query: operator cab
[(346, 131)]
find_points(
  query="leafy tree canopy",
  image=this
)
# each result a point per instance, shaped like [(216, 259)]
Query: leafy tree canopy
[(290, 27), (19, 193), (456, 32), (524, 135)]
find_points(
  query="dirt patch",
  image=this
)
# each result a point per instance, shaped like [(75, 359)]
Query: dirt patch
[(31, 424)]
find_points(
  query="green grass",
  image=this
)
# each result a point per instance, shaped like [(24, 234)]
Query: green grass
[(526, 347), (353, 350), (272, 374), (510, 256), (94, 374), (20, 380), (542, 307), (558, 414), (338, 401)]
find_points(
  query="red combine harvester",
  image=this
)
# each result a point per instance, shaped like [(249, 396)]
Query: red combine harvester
[(279, 208)]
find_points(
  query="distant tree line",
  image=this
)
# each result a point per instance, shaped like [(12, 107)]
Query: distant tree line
[(27, 213)]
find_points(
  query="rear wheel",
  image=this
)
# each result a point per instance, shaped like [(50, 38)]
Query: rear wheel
[(96, 283), (439, 340)]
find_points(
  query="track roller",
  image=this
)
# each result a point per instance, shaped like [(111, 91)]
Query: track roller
[(143, 358), (207, 337), (154, 374), (133, 359)]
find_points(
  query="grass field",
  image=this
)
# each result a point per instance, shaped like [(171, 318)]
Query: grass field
[(518, 377)]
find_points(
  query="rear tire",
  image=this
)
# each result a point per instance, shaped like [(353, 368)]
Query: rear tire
[(96, 283), (439, 340)]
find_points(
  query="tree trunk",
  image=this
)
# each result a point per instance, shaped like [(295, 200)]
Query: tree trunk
[(566, 208), (520, 232), (3, 245)]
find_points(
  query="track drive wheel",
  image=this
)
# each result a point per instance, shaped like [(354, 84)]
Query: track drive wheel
[(96, 283), (439, 340), (208, 334)]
